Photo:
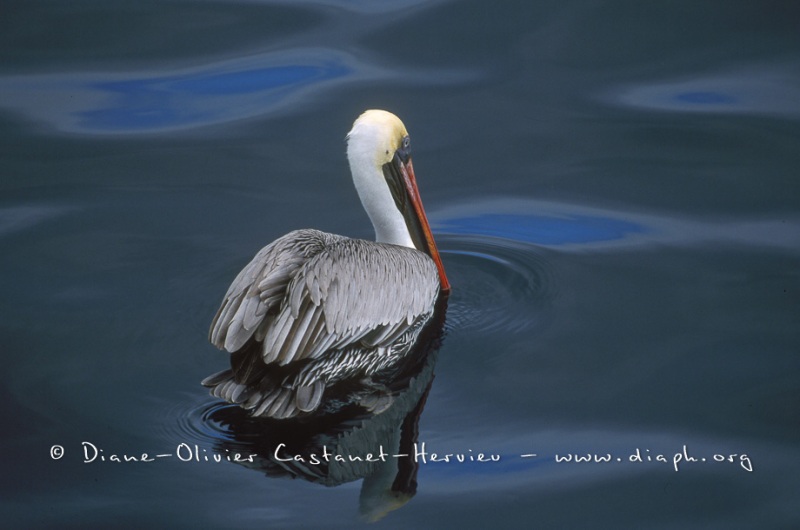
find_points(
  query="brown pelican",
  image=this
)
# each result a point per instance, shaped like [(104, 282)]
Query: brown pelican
[(313, 309)]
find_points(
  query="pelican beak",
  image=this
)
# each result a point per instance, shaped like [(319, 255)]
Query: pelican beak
[(399, 173)]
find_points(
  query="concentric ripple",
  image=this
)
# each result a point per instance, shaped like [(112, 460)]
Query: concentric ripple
[(499, 285), (194, 421)]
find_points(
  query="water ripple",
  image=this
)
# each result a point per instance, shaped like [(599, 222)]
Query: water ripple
[(192, 421), (499, 284)]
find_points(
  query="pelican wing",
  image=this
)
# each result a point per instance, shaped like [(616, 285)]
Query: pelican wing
[(310, 292), (260, 287), (354, 291)]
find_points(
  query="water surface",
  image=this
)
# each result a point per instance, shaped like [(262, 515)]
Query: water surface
[(613, 187)]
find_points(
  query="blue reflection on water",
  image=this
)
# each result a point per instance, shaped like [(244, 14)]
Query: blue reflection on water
[(176, 100), (748, 90), (157, 101), (545, 230)]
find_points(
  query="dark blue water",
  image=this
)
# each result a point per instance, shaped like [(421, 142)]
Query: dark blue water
[(614, 187)]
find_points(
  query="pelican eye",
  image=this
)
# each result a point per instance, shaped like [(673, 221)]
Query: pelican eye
[(404, 151)]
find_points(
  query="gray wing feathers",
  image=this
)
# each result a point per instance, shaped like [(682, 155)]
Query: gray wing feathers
[(260, 286), (307, 397), (354, 290), (309, 292)]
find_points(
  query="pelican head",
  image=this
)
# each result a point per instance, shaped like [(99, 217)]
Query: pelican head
[(379, 152)]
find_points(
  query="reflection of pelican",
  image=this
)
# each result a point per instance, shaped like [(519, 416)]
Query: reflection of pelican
[(315, 309)]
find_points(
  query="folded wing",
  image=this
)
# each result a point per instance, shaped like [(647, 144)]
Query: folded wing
[(310, 292)]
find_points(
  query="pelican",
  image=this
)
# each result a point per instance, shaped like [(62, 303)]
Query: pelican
[(313, 309)]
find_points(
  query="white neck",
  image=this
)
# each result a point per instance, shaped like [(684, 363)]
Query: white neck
[(390, 227)]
